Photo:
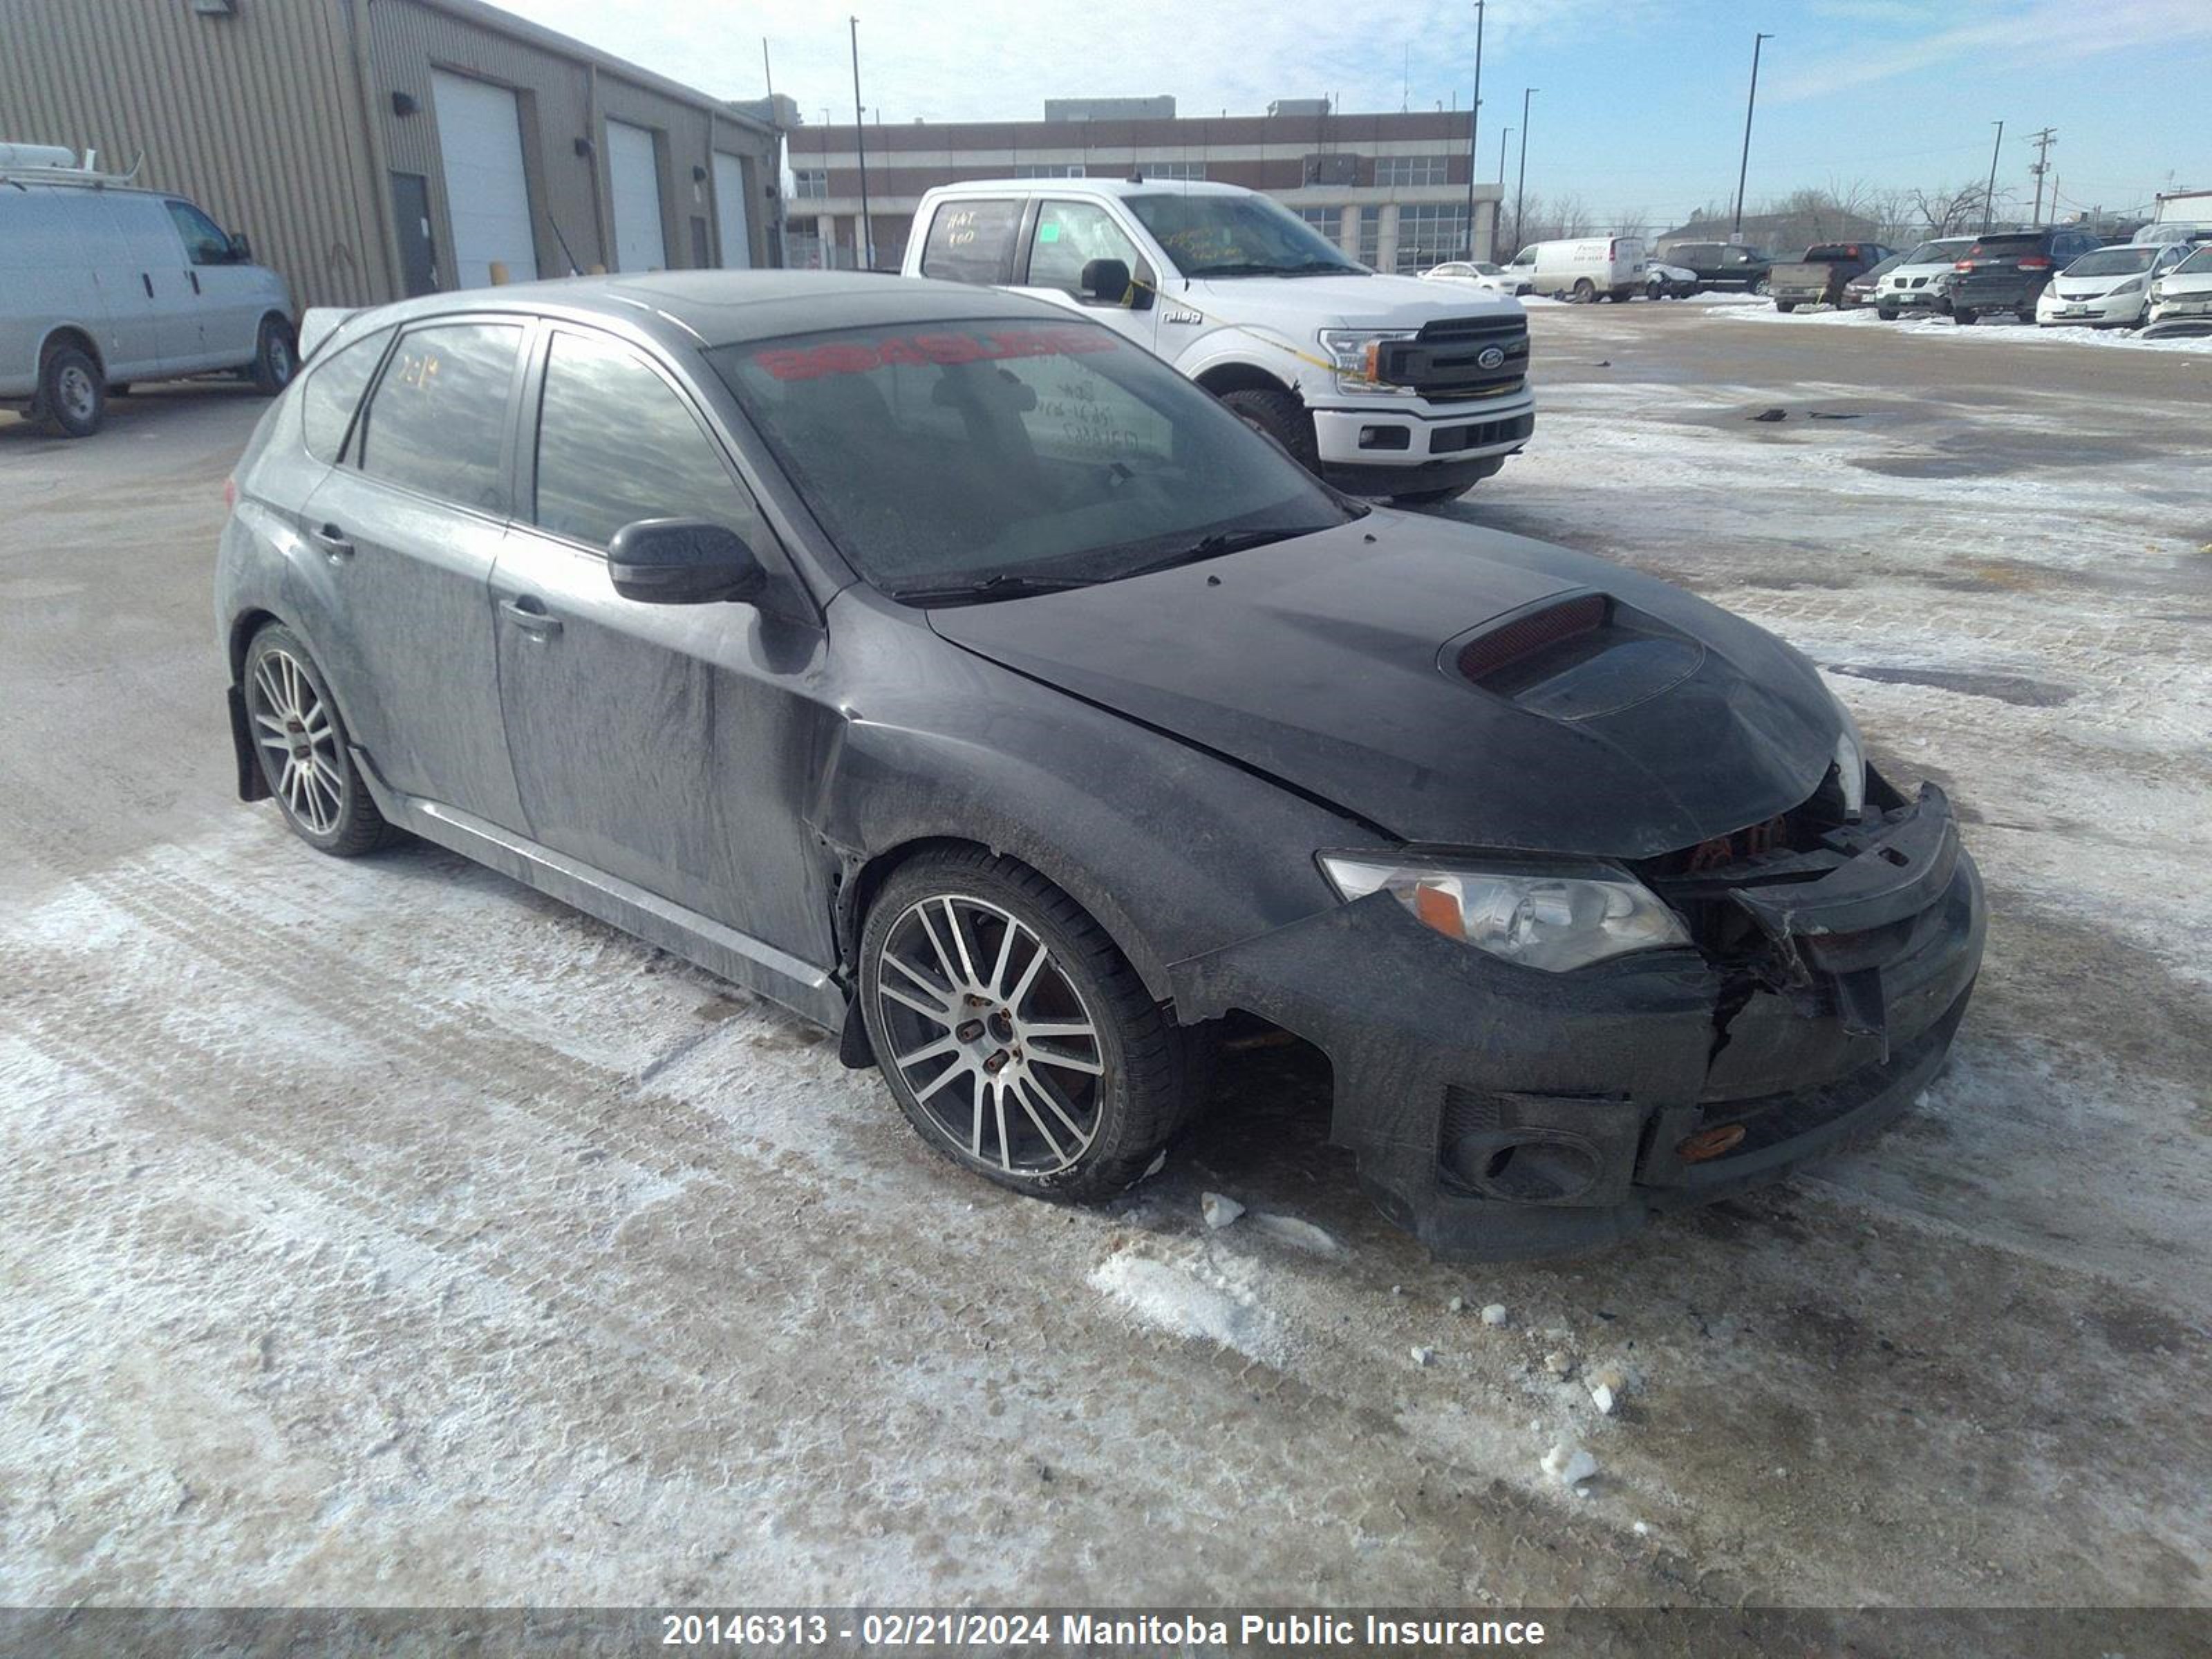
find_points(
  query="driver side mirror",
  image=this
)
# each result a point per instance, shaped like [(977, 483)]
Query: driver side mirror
[(683, 562), (1107, 282), (241, 251)]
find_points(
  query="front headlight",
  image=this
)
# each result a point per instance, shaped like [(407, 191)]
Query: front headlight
[(1850, 762), (1353, 351), (1533, 917), (2133, 285)]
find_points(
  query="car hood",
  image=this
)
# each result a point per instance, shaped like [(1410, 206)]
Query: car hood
[(2196, 283), (1300, 304), (2091, 288), (1907, 273), (1332, 664)]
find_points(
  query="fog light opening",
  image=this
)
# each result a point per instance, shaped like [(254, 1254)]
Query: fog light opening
[(1528, 1170)]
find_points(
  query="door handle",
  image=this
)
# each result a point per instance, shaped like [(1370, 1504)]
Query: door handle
[(147, 279), (334, 542), (195, 282), (531, 617)]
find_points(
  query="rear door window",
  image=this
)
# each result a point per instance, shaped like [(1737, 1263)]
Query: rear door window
[(437, 421), (973, 241), (616, 443), (332, 391)]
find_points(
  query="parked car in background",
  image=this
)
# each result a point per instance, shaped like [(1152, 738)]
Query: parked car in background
[(102, 285), (1583, 269), (1860, 290), (2108, 287), (947, 669), (2182, 296), (1484, 274), (1668, 281), (1818, 279), (1722, 267), (2008, 271), (1917, 283), (1384, 386)]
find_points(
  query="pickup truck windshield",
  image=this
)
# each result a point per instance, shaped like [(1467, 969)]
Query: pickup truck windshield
[(1208, 235), (959, 462)]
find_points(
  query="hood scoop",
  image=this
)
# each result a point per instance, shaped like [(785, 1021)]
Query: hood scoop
[(1573, 657)]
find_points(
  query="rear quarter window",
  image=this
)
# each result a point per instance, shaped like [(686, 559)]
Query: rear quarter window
[(331, 391), (972, 241)]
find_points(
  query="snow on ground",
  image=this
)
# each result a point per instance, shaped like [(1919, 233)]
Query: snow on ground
[(1986, 331)]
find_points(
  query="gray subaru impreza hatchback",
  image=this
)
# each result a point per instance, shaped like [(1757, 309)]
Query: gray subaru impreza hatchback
[(941, 665)]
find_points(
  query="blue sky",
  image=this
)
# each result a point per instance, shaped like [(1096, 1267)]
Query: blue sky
[(1640, 102)]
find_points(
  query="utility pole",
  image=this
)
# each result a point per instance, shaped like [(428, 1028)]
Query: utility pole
[(768, 74), (1473, 122), (1520, 184), (1500, 214), (865, 243), (2042, 141), (1743, 172), (1989, 196)]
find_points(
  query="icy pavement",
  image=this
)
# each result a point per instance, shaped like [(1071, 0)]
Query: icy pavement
[(382, 1232)]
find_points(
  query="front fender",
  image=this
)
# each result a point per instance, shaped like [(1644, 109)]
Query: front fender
[(1245, 346)]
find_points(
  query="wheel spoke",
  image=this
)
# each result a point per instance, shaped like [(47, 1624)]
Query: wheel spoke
[(318, 722), (272, 693), (937, 944), (947, 1044), (1040, 1055), (280, 742), (1015, 997), (1022, 1099), (1068, 1028), (943, 1078), (1044, 1091), (942, 992), (906, 999), (960, 944), (1005, 1145)]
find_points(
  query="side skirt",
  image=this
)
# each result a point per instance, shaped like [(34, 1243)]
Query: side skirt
[(806, 990)]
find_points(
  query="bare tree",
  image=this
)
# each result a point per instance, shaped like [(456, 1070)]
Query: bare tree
[(1953, 209)]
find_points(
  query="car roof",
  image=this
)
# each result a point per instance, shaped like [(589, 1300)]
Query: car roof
[(1116, 187), (695, 308)]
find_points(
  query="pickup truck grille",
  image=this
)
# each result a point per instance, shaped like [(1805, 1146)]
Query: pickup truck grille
[(1460, 357)]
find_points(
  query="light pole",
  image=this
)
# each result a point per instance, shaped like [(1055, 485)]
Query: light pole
[(1473, 124), (1494, 217), (866, 241), (1743, 172), (1521, 183), (1989, 196)]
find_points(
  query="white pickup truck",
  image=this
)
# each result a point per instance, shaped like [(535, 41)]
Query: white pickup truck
[(1383, 385)]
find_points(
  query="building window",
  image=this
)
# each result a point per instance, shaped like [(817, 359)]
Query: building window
[(1173, 169), (1393, 170), (1370, 235), (1329, 221), (1429, 234), (1339, 168), (810, 184), (1051, 170)]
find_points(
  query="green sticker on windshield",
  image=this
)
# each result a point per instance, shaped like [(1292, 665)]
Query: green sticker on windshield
[(1048, 233)]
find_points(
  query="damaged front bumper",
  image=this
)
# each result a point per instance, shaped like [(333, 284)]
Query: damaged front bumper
[(1499, 1112)]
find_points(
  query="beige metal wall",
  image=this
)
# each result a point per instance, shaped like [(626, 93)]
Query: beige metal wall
[(256, 117), (279, 121)]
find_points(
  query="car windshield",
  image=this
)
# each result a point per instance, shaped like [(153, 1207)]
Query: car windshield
[(2113, 262), (1940, 253), (1208, 235), (2197, 264), (957, 461), (1883, 268)]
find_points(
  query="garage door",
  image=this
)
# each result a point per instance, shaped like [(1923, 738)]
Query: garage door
[(480, 139), (730, 211), (640, 243)]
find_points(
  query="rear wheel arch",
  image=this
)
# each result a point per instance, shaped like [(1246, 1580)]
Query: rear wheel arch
[(69, 336)]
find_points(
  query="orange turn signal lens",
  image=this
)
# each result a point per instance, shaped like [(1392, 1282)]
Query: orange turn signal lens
[(1709, 1143)]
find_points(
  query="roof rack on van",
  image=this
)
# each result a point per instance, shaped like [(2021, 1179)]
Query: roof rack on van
[(52, 164)]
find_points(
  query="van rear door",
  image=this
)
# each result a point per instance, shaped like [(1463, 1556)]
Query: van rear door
[(45, 280)]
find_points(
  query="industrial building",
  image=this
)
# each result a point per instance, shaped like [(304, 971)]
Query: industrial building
[(377, 149), (1390, 190)]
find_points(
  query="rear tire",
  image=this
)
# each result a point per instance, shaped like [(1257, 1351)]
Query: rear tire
[(1274, 413), (72, 401), (1655, 290), (1962, 316), (1584, 292), (275, 357), (299, 738), (1033, 1055)]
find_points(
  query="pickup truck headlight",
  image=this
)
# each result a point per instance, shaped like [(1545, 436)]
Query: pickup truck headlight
[(1538, 918), (1353, 351)]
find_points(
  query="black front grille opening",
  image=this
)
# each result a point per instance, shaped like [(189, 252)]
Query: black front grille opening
[(1481, 434)]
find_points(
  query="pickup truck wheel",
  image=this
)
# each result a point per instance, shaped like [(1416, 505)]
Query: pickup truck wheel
[(1016, 1037), (72, 393), (1279, 415), (1962, 315), (275, 357)]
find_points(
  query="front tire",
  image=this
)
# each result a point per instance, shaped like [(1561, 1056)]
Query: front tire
[(300, 740), (72, 393), (1785, 305), (1962, 316), (1015, 1036), (1274, 413), (1887, 313), (1428, 497), (275, 357)]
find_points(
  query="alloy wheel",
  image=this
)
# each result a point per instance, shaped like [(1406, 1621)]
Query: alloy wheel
[(991, 1035), (293, 724)]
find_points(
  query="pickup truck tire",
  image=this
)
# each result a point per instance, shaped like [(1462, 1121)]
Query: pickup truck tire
[(1962, 315), (1785, 305), (1278, 415), (72, 399)]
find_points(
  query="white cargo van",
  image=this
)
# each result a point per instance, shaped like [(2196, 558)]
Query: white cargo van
[(1585, 268), (1384, 386), (101, 285)]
